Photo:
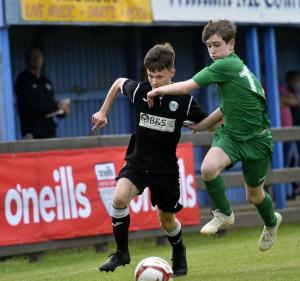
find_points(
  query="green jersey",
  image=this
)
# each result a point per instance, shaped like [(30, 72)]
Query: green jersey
[(242, 98)]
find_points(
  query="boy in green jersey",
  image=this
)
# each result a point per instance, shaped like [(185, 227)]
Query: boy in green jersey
[(244, 136)]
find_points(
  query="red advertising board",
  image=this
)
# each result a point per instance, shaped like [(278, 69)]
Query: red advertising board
[(67, 193)]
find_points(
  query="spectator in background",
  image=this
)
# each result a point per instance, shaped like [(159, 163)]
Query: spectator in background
[(35, 99), (290, 116), (293, 86)]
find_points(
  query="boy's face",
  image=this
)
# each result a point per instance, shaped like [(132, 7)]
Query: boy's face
[(160, 78), (218, 48)]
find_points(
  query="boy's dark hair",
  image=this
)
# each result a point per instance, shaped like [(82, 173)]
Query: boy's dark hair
[(291, 76), (225, 28), (160, 57)]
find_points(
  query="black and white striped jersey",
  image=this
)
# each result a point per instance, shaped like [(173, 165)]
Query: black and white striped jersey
[(158, 129)]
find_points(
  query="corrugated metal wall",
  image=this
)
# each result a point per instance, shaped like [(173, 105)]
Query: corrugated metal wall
[(82, 63)]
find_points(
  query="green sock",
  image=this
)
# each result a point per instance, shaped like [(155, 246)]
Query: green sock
[(216, 191), (266, 211)]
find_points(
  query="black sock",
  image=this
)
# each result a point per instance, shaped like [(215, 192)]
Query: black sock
[(120, 228), (176, 242)]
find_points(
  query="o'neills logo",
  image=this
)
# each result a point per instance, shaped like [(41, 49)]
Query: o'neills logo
[(65, 200), (188, 195), (105, 175)]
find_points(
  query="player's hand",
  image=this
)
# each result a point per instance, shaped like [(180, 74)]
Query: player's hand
[(150, 97), (191, 125), (99, 120)]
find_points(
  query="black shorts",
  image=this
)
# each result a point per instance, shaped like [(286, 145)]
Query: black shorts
[(164, 188)]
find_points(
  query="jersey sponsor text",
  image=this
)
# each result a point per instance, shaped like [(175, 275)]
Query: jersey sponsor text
[(157, 123)]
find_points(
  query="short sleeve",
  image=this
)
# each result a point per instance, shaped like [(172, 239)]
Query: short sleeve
[(195, 112), (130, 88), (215, 73)]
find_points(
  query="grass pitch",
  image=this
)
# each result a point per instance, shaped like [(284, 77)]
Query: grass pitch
[(234, 257)]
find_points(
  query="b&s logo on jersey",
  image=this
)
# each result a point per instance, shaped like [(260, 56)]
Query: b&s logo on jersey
[(106, 174), (157, 123)]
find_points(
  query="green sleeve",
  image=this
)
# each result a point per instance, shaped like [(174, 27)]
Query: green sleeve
[(215, 73)]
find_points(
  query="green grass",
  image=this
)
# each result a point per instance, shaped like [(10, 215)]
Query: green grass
[(232, 257)]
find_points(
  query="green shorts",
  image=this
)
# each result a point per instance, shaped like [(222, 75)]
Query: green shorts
[(255, 154)]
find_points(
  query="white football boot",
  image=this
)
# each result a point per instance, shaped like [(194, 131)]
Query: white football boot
[(220, 221), (269, 235)]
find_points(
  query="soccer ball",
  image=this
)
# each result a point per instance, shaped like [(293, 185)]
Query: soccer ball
[(153, 269)]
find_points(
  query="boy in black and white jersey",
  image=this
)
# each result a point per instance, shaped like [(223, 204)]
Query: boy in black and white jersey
[(151, 155)]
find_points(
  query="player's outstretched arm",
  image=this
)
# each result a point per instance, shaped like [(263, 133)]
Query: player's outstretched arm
[(99, 119), (179, 88), (209, 123)]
